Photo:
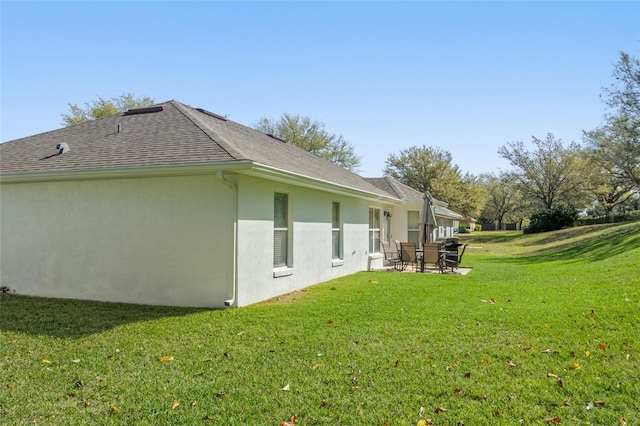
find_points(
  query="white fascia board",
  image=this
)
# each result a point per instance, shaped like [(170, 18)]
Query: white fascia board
[(279, 175), (125, 172)]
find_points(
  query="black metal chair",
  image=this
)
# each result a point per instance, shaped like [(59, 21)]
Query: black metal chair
[(453, 260)]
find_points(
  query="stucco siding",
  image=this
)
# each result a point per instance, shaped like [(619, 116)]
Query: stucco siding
[(151, 241), (310, 259)]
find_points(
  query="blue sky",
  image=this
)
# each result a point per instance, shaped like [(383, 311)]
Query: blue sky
[(467, 77)]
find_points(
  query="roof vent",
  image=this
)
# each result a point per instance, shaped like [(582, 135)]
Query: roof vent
[(210, 114), (146, 110), (62, 148), (276, 138)]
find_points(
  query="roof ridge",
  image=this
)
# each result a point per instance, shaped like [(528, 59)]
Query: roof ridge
[(189, 114)]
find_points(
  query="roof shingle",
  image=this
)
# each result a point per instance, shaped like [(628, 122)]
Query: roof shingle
[(174, 135)]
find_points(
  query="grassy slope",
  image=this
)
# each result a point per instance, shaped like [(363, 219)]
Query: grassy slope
[(372, 348)]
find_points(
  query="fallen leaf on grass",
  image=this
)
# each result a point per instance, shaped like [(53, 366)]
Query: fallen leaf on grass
[(441, 410), (553, 419), (292, 420), (511, 364), (575, 366), (373, 282), (46, 361), (76, 361), (602, 346), (114, 409), (425, 422), (166, 359), (175, 405), (587, 354), (316, 366), (329, 321), (547, 351), (287, 387), (551, 375)]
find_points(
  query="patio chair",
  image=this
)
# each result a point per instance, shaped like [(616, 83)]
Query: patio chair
[(408, 255), (431, 253), (391, 255), (454, 260)]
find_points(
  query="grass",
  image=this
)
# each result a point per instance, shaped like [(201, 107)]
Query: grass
[(545, 329)]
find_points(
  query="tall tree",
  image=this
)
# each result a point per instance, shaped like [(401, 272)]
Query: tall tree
[(431, 168), (101, 107), (503, 197), (551, 174), (313, 137), (623, 96), (617, 142)]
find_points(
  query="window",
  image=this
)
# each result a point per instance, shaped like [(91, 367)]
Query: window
[(374, 230), (413, 230), (280, 229), (336, 239)]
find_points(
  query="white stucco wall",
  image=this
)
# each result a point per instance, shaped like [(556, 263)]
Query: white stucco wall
[(150, 241), (311, 260)]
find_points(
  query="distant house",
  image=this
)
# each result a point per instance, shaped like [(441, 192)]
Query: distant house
[(172, 205)]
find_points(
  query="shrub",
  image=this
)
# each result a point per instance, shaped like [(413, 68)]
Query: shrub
[(478, 227), (558, 217)]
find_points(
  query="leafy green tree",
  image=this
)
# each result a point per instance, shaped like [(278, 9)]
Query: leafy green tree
[(551, 219), (312, 137), (503, 197), (551, 174), (101, 107), (431, 168), (616, 144), (623, 96)]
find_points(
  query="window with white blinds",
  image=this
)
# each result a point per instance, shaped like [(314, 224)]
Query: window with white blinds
[(336, 237), (374, 230), (280, 229)]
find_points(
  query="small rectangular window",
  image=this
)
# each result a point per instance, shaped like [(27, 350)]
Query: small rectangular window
[(374, 230), (336, 234), (280, 229)]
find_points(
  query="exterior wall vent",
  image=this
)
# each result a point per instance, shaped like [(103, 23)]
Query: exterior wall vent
[(62, 148), (144, 110), (276, 138), (211, 114)]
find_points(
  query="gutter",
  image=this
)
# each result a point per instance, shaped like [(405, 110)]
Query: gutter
[(123, 172), (233, 206)]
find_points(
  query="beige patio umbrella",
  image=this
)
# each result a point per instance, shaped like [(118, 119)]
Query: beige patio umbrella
[(427, 221)]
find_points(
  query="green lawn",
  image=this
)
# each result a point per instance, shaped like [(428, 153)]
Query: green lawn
[(545, 329)]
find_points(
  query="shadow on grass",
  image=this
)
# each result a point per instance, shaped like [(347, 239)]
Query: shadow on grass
[(75, 318), (580, 245)]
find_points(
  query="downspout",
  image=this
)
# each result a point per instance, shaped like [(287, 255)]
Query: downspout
[(233, 207)]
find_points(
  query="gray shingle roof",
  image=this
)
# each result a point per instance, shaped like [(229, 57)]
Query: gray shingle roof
[(406, 193), (175, 135), (397, 189)]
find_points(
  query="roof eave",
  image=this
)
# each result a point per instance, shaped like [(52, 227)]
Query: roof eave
[(275, 174), (125, 172)]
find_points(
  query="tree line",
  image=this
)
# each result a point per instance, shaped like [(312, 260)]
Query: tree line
[(550, 182)]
